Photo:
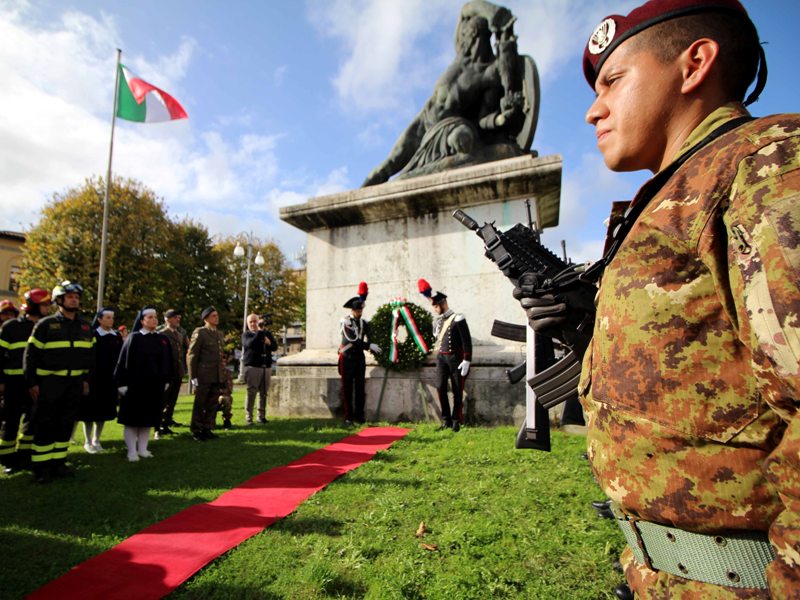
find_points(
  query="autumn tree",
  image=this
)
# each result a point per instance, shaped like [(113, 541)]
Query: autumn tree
[(153, 260), (65, 245), (275, 287)]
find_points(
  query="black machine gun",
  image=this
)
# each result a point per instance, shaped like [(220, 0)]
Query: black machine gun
[(529, 265)]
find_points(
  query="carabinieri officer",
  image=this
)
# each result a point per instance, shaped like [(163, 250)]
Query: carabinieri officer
[(352, 364)]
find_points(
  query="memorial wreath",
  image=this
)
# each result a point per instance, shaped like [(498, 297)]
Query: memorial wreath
[(387, 328)]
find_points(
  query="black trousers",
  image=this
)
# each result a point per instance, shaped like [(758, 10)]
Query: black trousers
[(353, 368), (447, 371), (16, 406), (169, 400), (53, 418)]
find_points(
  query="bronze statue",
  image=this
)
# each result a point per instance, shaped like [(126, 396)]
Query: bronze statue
[(483, 108)]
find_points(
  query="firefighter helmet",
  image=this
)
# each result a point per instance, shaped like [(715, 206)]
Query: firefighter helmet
[(8, 305), (33, 298), (66, 287)]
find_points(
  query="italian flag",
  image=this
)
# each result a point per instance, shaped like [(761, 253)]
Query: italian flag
[(143, 102)]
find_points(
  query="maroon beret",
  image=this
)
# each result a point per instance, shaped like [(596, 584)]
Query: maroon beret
[(615, 29)]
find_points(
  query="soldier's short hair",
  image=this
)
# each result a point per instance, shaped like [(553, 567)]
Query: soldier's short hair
[(737, 38)]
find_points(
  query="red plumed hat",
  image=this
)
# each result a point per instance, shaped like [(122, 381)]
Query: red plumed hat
[(424, 288), (363, 290)]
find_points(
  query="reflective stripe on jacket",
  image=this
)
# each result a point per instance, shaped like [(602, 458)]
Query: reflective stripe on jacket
[(59, 346), (13, 339)]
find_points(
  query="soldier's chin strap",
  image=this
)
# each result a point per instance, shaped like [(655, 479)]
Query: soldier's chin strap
[(652, 187)]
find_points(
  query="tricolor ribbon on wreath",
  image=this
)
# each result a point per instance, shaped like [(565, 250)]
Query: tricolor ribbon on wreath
[(400, 310)]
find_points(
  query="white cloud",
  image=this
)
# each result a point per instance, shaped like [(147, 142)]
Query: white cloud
[(55, 127), (555, 31), (168, 68), (383, 66), (279, 74)]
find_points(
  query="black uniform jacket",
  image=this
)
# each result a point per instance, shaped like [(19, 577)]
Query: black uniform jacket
[(457, 339), (13, 338), (59, 346)]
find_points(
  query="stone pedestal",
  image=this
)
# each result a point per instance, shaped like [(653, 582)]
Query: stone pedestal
[(390, 236)]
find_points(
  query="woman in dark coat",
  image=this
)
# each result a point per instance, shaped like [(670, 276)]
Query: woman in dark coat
[(101, 403), (143, 370)]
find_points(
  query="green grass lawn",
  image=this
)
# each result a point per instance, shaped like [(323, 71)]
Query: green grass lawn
[(502, 523)]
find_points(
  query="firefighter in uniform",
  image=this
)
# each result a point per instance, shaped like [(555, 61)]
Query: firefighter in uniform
[(15, 454), (58, 362), (352, 364), (7, 311), (453, 349)]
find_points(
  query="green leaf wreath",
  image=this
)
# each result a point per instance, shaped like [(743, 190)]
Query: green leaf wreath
[(409, 355)]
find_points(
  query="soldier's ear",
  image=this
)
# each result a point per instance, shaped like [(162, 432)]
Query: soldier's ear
[(698, 64)]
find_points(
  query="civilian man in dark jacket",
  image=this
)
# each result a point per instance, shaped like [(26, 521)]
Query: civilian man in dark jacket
[(258, 344)]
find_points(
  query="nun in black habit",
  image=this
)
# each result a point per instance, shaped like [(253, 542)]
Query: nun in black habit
[(142, 374), (101, 403)]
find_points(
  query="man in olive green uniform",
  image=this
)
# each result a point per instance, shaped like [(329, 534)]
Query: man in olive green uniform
[(179, 344), (692, 382), (205, 371)]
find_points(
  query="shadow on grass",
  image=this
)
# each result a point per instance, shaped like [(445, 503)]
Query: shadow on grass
[(311, 525), (110, 499)]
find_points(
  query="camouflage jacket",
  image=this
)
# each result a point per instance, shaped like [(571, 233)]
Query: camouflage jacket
[(692, 385)]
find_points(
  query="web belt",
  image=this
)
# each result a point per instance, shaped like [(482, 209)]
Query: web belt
[(734, 559)]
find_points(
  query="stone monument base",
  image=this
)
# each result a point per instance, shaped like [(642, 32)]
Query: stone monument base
[(391, 235), (308, 385)]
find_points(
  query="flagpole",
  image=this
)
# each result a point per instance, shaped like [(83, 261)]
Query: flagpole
[(104, 238)]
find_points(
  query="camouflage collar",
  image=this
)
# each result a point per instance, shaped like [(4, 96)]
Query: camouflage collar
[(723, 114)]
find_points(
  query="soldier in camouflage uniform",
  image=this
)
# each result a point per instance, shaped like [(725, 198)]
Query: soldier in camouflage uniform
[(691, 383)]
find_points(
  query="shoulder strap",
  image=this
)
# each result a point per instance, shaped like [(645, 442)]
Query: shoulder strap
[(647, 193)]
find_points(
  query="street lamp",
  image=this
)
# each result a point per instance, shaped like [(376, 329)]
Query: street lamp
[(239, 252)]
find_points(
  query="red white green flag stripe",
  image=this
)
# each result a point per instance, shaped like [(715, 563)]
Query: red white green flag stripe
[(143, 102), (401, 311)]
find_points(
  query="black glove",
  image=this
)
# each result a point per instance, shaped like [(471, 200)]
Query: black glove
[(545, 314), (564, 312)]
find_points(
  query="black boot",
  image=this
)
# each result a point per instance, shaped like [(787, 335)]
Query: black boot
[(226, 424), (11, 465), (62, 470), (456, 425), (606, 514), (623, 592), (448, 423), (41, 473), (600, 504)]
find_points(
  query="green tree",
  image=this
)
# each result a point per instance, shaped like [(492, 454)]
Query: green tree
[(199, 274), (65, 244), (275, 287)]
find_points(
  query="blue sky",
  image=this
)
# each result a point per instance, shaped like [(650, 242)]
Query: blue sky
[(288, 100)]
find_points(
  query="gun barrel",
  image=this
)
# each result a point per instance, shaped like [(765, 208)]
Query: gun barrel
[(465, 219)]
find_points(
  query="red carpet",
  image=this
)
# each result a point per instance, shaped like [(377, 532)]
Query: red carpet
[(155, 561)]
